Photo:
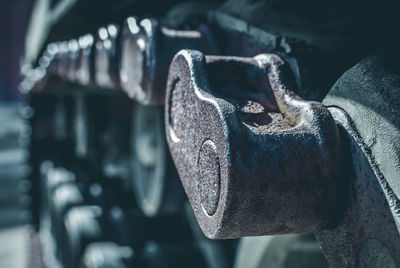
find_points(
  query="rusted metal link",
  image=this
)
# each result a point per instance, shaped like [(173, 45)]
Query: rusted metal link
[(146, 52), (71, 61), (107, 57), (254, 158), (136, 60)]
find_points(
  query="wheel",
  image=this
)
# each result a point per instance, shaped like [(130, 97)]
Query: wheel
[(157, 188), (52, 179), (63, 198), (82, 227)]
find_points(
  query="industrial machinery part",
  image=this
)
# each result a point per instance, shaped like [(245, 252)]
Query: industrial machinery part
[(51, 179), (365, 104), (84, 67), (153, 174), (64, 198), (100, 135), (48, 57), (217, 253), (81, 126), (351, 174), (107, 57), (280, 251), (44, 219), (82, 225), (62, 59), (115, 142), (254, 158), (107, 255), (254, 155), (71, 59), (46, 141), (146, 52)]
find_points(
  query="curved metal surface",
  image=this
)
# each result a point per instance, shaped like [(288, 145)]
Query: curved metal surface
[(253, 157)]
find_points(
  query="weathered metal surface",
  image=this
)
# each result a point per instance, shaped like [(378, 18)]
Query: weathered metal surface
[(370, 93), (313, 33), (107, 57), (253, 157), (365, 104), (146, 52), (216, 252), (369, 232)]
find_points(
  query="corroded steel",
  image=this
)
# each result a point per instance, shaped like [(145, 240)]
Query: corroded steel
[(146, 52), (368, 232), (253, 157)]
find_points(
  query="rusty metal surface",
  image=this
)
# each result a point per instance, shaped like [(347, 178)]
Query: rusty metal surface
[(146, 52), (368, 235), (370, 93), (253, 157), (364, 103)]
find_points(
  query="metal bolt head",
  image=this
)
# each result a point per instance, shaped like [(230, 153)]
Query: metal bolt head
[(209, 177)]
